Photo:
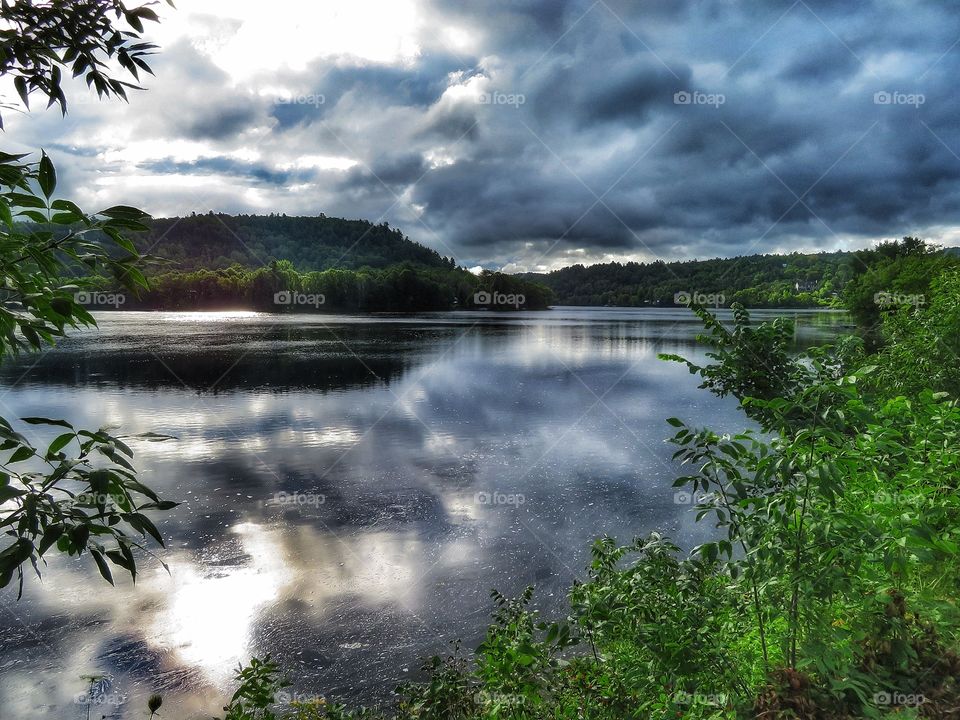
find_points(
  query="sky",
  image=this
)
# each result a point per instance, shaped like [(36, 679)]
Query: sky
[(532, 134)]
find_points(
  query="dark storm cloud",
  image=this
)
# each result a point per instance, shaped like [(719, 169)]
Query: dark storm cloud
[(216, 122), (799, 147), (452, 124), (553, 127), (419, 86), (510, 21), (824, 62), (392, 172), (632, 93), (227, 167)]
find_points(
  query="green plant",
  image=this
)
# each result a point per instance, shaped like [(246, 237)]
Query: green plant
[(259, 683), (90, 501)]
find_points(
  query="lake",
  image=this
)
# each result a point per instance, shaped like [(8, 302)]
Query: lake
[(352, 488)]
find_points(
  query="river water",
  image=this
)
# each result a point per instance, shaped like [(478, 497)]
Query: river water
[(352, 488)]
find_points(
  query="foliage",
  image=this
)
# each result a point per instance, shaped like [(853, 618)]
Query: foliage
[(259, 683), (216, 241), (74, 503), (38, 300), (921, 345), (280, 287), (40, 39), (90, 501), (794, 280), (889, 276)]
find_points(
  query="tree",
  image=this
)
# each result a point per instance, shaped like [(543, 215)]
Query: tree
[(40, 39), (78, 492)]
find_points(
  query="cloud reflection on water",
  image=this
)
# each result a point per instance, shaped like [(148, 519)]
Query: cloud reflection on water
[(399, 557)]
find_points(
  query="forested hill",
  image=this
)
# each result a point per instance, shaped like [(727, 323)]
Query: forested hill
[(216, 240), (754, 280)]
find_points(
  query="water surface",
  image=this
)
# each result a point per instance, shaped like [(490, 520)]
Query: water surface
[(352, 489)]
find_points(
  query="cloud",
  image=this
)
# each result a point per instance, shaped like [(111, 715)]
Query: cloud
[(534, 133)]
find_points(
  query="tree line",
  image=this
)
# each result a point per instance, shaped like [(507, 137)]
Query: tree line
[(280, 287), (794, 280)]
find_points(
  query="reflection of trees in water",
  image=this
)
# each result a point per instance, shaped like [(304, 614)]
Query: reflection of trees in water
[(220, 370)]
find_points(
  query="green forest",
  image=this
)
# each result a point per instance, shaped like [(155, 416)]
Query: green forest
[(278, 263), (216, 241), (279, 287), (794, 280)]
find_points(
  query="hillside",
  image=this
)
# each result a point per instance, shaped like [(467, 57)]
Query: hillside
[(755, 280), (215, 241), (794, 280)]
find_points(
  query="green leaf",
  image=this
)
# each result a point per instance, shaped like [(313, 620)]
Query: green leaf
[(21, 454), (102, 565), (124, 212), (47, 177), (20, 83), (50, 536), (8, 492), (59, 443), (47, 421), (23, 200), (62, 306), (5, 213)]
